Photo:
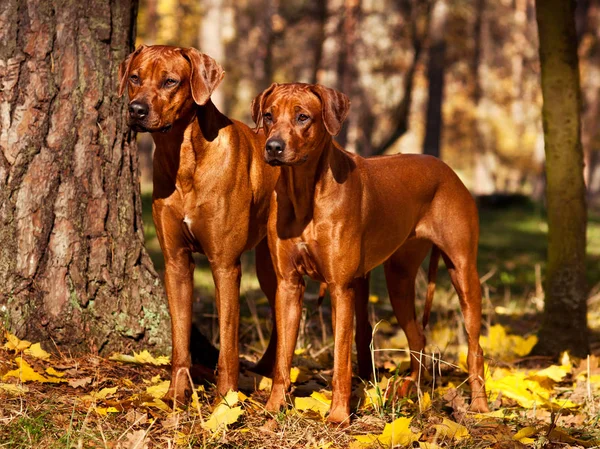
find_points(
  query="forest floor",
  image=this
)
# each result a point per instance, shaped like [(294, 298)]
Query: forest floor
[(59, 401)]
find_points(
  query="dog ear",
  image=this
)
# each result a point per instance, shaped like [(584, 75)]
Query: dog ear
[(124, 68), (335, 107), (206, 75), (259, 102)]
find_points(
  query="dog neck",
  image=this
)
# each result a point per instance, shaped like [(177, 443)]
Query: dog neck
[(299, 185), (181, 149)]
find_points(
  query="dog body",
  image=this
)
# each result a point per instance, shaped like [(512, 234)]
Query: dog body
[(335, 216), (211, 195)]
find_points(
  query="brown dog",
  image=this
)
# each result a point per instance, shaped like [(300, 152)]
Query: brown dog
[(211, 195), (335, 216)]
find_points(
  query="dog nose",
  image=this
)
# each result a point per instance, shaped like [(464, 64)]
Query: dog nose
[(138, 110), (275, 147)]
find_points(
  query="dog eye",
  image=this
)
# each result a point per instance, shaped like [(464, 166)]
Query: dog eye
[(134, 79), (302, 118), (268, 117), (170, 82)]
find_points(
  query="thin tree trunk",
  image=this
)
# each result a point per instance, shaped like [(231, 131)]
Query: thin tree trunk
[(435, 73), (347, 72), (73, 267), (484, 158), (402, 111), (211, 42), (564, 324)]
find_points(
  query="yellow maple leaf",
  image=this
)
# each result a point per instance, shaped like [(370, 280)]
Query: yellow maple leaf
[(14, 343), (317, 402), (398, 433), (450, 429), (35, 350), (25, 373), (225, 413), (158, 390)]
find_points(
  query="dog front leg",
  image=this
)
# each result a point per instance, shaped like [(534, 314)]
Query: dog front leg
[(342, 303), (227, 284), (288, 309), (179, 271)]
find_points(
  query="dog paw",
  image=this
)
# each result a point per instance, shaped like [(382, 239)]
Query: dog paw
[(339, 417)]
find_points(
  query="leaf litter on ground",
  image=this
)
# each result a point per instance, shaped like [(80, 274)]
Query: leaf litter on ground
[(531, 405)]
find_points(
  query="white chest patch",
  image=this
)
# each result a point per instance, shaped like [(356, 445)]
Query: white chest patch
[(188, 221)]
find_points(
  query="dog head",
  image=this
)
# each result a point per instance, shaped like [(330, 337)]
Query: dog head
[(298, 119), (165, 84)]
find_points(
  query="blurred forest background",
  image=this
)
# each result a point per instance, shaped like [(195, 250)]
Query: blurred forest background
[(458, 79)]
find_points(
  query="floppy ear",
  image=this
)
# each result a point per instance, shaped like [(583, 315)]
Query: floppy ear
[(259, 102), (335, 107), (124, 69), (206, 75)]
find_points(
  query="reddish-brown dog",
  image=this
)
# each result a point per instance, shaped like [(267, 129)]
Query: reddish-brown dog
[(211, 195), (335, 216)]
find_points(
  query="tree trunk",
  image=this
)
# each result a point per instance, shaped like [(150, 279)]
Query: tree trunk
[(435, 73), (211, 42), (73, 267), (564, 324), (347, 73), (420, 13)]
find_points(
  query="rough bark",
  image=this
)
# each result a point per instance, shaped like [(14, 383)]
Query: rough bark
[(73, 267), (564, 324)]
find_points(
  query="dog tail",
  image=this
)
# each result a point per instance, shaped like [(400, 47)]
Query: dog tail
[(431, 274), (322, 291)]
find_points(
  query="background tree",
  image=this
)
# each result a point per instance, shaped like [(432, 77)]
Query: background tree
[(73, 267), (564, 325)]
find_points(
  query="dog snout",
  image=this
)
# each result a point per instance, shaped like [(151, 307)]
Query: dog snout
[(275, 147), (138, 110)]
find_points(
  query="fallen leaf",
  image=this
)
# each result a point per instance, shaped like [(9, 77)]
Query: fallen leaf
[(102, 394), (524, 435), (425, 402), (14, 343), (317, 402), (76, 383), (141, 358), (450, 429), (105, 410), (498, 343), (25, 373), (134, 440), (35, 350), (13, 389), (398, 433), (225, 413), (159, 390), (54, 373), (299, 375)]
